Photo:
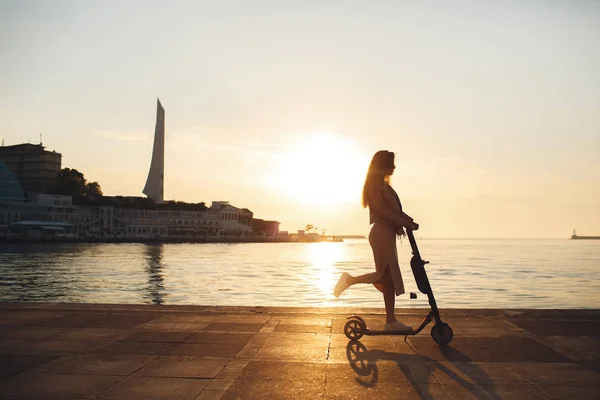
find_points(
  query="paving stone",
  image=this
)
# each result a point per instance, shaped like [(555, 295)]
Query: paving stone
[(504, 349), (156, 336), (325, 322), (102, 364), (144, 348), (210, 394), (236, 364), (385, 343), (13, 364), (420, 373), (337, 390), (307, 352), (220, 384), (579, 348), (229, 374), (466, 391), (186, 318), (184, 367), (556, 392), (249, 350), (381, 349), (242, 319), (299, 389), (190, 327), (474, 373), (282, 371), (92, 334), (403, 346), (151, 388), (477, 327), (302, 328), (233, 327), (559, 327), (563, 374), (370, 372), (347, 354), (259, 338), (62, 386), (229, 337), (297, 339), (42, 346), (97, 320), (372, 380), (206, 349), (6, 329), (22, 317), (32, 333)]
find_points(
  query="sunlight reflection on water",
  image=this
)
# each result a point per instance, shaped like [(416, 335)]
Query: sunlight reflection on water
[(463, 273)]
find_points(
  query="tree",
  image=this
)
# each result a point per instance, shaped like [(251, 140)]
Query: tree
[(72, 182)]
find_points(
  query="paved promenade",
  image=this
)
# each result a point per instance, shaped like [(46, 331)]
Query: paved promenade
[(83, 351)]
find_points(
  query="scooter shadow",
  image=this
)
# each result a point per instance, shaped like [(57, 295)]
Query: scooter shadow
[(364, 363)]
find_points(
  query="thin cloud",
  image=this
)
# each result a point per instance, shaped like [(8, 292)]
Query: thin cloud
[(122, 136), (249, 148)]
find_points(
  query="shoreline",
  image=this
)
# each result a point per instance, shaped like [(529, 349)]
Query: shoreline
[(158, 240)]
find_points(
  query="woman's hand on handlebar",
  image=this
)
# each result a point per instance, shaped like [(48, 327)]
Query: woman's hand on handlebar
[(413, 226)]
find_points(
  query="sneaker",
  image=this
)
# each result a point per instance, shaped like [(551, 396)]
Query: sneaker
[(397, 326), (341, 285)]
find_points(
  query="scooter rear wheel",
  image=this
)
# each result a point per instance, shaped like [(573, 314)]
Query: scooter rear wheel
[(354, 329), (442, 334)]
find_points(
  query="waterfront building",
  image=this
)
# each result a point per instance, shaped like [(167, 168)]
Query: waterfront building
[(44, 216), (34, 167), (10, 189), (267, 228), (55, 216)]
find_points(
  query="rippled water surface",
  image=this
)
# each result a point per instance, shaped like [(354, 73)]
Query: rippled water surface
[(463, 273)]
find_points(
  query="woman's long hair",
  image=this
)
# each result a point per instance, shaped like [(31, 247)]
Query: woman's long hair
[(379, 169)]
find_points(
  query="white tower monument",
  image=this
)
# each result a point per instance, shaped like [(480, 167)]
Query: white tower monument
[(155, 184)]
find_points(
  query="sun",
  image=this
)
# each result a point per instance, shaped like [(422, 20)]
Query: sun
[(323, 169)]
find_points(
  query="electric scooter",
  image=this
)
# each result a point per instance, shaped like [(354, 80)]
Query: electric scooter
[(441, 332)]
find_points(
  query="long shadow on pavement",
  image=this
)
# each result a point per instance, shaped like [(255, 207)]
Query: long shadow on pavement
[(364, 363)]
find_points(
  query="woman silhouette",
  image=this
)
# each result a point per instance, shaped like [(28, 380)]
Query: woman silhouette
[(387, 220)]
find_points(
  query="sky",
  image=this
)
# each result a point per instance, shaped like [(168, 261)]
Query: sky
[(491, 107)]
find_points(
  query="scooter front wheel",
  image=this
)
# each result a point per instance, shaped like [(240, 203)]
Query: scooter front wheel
[(354, 329), (442, 334)]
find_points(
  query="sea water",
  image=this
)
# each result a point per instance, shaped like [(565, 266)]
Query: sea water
[(464, 273)]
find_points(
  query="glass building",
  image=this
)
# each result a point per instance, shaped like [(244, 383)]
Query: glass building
[(10, 189)]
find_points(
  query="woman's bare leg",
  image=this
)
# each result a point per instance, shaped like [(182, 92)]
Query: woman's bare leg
[(371, 277), (389, 298), (347, 280)]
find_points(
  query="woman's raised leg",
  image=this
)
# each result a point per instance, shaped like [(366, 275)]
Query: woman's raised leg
[(347, 280)]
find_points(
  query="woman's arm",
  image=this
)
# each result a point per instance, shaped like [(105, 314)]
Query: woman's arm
[(407, 217), (377, 204), (411, 222)]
